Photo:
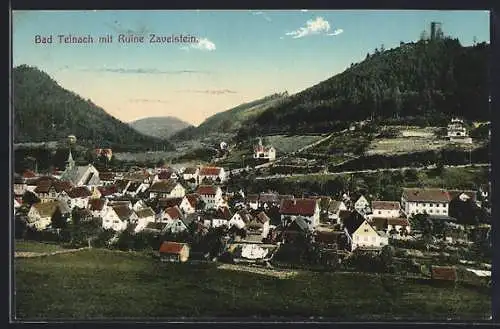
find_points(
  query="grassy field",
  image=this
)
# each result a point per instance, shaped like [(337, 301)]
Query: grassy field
[(286, 144), (100, 284), (34, 246)]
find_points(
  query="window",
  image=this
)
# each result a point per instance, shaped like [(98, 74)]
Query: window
[(366, 230), (379, 212), (430, 211), (373, 239), (431, 204)]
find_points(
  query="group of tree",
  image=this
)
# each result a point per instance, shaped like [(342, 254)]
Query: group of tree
[(430, 80), (60, 113)]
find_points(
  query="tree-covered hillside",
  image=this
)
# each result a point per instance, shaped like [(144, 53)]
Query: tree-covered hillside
[(44, 111), (161, 127), (233, 119), (422, 82)]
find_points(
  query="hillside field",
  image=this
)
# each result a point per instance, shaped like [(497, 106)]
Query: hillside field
[(103, 284)]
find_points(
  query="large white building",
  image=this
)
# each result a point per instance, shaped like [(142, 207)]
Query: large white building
[(432, 201), (457, 132), (386, 209), (211, 195)]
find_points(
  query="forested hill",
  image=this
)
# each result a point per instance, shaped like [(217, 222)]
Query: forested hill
[(44, 111), (426, 81), (232, 120)]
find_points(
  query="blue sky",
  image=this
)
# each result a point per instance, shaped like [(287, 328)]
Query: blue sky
[(241, 56)]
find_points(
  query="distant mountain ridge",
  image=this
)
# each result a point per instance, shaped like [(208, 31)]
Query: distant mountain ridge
[(161, 127), (45, 111)]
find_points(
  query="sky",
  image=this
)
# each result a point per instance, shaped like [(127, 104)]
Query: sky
[(229, 57)]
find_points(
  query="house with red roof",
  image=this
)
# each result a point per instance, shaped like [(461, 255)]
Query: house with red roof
[(212, 173), (308, 209), (191, 173), (174, 252), (211, 195), (386, 209), (432, 201), (78, 196), (97, 206)]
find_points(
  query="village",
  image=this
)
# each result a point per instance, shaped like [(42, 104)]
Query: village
[(188, 215)]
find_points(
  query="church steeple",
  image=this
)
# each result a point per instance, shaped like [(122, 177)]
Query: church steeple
[(70, 162)]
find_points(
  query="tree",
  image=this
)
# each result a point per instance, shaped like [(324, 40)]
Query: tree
[(387, 258), (200, 204), (58, 220)]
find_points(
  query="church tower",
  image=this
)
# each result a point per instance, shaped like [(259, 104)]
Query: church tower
[(70, 163)]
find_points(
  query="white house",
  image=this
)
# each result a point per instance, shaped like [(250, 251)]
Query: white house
[(212, 173), (145, 216), (457, 132), (167, 189), (362, 205), (306, 208), (253, 201), (360, 234), (118, 217), (211, 195), (398, 224), (191, 173), (386, 209), (187, 206), (334, 210), (77, 197), (432, 201), (221, 218), (40, 214), (240, 219), (264, 152)]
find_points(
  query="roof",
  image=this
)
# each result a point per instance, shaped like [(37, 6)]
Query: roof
[(305, 207), (353, 222), (262, 217), (145, 212), (252, 197), (79, 192), (207, 190), (299, 223), (121, 184), (386, 205), (46, 209), (108, 190), (174, 212), (334, 206), (190, 170), (169, 202), (97, 204), (456, 193), (75, 174), (123, 211), (379, 223), (193, 199), (155, 226), (268, 197), (282, 197), (134, 186), (165, 186), (327, 237), (210, 171), (446, 273), (223, 213), (43, 186), (245, 216), (442, 218), (398, 221), (29, 174), (168, 247), (164, 174), (140, 175), (107, 176), (426, 194)]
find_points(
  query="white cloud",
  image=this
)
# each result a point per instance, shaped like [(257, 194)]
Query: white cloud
[(304, 10), (202, 44), (314, 26), (336, 32), (263, 14)]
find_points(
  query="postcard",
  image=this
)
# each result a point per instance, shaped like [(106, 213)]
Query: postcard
[(260, 165)]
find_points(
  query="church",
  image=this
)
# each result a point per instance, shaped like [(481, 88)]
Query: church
[(80, 175)]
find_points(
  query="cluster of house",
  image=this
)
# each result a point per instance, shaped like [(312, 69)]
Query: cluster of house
[(157, 200), (457, 132)]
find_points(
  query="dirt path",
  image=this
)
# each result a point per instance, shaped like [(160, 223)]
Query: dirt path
[(282, 274), (30, 254)]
